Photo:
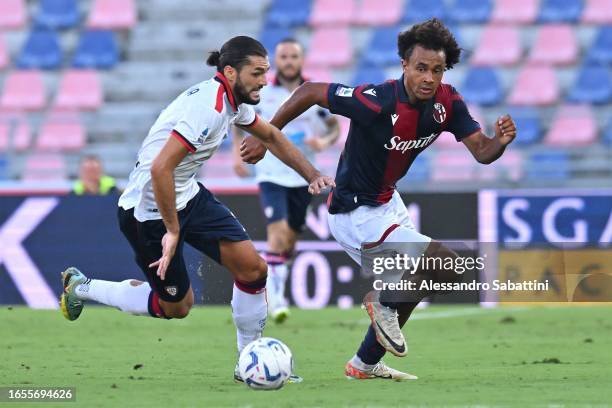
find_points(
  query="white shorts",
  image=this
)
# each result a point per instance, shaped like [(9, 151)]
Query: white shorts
[(363, 230)]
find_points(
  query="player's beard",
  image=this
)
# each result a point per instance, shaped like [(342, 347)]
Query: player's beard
[(243, 94), (283, 77)]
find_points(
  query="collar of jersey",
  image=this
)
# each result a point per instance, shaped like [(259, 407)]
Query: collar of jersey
[(219, 77)]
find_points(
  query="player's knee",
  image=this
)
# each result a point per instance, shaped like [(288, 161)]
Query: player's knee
[(256, 270)]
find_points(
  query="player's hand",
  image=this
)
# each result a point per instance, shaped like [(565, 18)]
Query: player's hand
[(169, 242), (505, 129), (252, 150), (315, 143), (320, 183), (240, 169)]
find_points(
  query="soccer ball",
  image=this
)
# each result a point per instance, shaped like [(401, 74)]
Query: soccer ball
[(265, 364)]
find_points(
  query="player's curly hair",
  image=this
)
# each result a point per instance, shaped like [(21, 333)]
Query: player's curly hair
[(432, 35), (236, 52)]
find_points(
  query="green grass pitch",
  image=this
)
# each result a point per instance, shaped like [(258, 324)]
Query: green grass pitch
[(523, 356)]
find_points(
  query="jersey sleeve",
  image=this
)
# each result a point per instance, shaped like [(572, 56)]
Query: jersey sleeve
[(247, 116), (194, 126), (462, 124), (360, 103)]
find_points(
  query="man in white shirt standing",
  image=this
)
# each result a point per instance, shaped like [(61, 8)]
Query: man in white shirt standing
[(283, 193), (164, 206)]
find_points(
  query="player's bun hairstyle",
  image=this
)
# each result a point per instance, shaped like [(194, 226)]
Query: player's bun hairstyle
[(236, 52), (432, 35)]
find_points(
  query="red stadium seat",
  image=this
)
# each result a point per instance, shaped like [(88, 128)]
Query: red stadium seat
[(489, 51), (61, 133), (330, 47), (79, 89), (4, 54), (555, 44), (509, 166), (44, 167), (12, 14), (573, 125), (515, 11), (332, 12), (453, 165), (379, 12), (597, 12), (317, 74), (23, 90), (535, 85), (15, 132), (112, 14)]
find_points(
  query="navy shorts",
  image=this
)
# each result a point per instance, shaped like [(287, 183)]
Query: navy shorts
[(285, 203), (204, 222)]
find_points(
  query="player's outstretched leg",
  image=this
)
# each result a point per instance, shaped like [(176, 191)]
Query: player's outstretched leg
[(70, 304)]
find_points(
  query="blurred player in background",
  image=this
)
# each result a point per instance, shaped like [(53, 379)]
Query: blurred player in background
[(164, 206), (391, 124), (92, 180), (283, 193)]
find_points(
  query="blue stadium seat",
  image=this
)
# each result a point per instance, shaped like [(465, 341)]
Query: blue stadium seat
[(568, 11), (57, 14), (419, 10), (470, 11), (548, 166), (3, 167), (41, 51), (528, 125), (382, 50), (289, 13), (607, 134), (96, 49), (601, 49), (366, 74), (592, 85), (482, 87), (270, 36)]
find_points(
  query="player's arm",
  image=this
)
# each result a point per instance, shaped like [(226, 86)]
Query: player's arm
[(486, 150), (162, 177), (332, 132), (274, 140), (237, 138)]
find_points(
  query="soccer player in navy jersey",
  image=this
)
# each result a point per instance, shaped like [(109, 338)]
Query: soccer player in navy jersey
[(391, 123)]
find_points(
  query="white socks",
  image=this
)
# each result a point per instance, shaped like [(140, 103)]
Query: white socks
[(249, 311), (124, 295), (277, 277), (360, 365)]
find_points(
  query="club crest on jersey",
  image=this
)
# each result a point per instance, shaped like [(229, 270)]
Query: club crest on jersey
[(172, 290), (439, 113)]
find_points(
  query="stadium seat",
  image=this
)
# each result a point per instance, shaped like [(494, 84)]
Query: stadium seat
[(453, 166), (601, 49), (368, 75), (470, 11), (548, 166), (597, 12), (61, 133), (508, 167), (330, 47), (4, 54), (44, 167), (57, 14), (13, 14), (555, 44), (515, 11), (79, 89), (15, 132), (317, 74), (288, 13), (96, 49), (420, 10), (378, 13), (332, 12), (528, 126), (489, 52), (560, 11), (572, 126), (592, 85), (41, 51), (382, 49), (112, 14), (535, 85), (482, 86), (23, 90), (607, 134), (271, 36)]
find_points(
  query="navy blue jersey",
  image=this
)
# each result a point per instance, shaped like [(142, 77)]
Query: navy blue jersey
[(387, 133)]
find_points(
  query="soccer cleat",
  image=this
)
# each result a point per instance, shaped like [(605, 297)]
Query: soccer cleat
[(380, 370), (293, 379), (70, 304), (280, 314), (386, 326)]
